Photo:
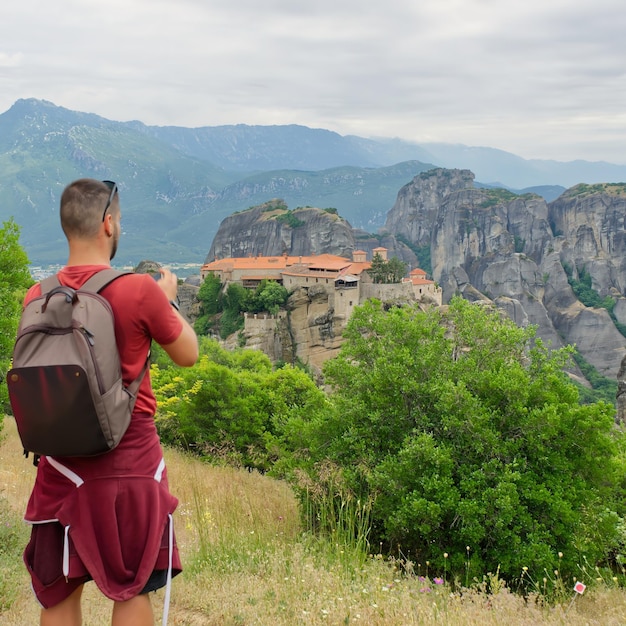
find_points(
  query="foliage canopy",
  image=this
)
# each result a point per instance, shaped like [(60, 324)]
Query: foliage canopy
[(14, 280), (233, 406), (464, 432)]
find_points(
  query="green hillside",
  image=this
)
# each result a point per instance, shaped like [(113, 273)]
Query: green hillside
[(44, 147)]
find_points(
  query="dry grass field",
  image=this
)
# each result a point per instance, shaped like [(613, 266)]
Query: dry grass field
[(248, 562)]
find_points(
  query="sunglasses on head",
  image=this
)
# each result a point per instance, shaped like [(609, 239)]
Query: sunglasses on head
[(113, 187)]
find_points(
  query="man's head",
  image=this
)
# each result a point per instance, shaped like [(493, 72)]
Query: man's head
[(90, 209)]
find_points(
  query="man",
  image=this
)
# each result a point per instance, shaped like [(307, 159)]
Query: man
[(109, 517)]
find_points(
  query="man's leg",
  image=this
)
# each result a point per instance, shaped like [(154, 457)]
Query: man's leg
[(134, 612), (66, 613)]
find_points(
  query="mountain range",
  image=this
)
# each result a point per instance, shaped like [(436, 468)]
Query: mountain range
[(178, 184)]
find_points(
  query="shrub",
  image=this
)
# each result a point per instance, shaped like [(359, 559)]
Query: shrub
[(232, 407), (464, 431)]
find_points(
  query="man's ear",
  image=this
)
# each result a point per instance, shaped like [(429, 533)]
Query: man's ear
[(109, 227)]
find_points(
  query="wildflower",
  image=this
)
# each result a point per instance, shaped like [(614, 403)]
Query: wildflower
[(438, 581), (560, 555), (525, 568), (425, 590), (445, 555)]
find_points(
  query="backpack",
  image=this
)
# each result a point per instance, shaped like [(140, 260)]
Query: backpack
[(65, 385)]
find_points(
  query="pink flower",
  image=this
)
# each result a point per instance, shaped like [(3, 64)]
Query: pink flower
[(438, 581)]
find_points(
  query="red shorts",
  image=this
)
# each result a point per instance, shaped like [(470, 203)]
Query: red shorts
[(43, 557)]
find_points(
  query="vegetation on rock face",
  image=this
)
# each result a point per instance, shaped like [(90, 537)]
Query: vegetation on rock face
[(421, 252), (584, 291), (223, 311), (496, 196), (584, 189), (289, 218)]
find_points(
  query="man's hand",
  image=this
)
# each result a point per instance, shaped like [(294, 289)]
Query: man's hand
[(168, 283)]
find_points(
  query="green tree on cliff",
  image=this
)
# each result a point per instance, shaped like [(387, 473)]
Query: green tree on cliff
[(391, 271), (210, 303)]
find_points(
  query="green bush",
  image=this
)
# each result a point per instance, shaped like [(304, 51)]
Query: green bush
[(233, 407), (14, 280), (268, 296), (464, 432), (289, 219)]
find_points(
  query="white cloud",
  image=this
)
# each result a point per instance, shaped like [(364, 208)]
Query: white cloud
[(541, 79)]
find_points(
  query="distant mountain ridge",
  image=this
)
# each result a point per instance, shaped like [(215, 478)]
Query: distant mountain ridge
[(177, 184), (253, 148)]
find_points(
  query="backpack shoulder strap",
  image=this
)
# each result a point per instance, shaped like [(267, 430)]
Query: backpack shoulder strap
[(101, 279), (95, 284), (49, 283)]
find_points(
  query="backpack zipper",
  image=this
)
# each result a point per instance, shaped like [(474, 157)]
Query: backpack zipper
[(89, 338)]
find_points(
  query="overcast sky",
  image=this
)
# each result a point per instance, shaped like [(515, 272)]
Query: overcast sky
[(539, 78)]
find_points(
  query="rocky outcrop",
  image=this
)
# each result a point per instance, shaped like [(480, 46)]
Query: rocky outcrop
[(514, 250), (310, 331), (591, 220), (417, 205), (272, 229)]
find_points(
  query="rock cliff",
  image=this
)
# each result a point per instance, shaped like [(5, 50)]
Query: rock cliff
[(517, 251), (272, 229)]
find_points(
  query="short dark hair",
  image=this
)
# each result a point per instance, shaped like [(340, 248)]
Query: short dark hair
[(82, 204)]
